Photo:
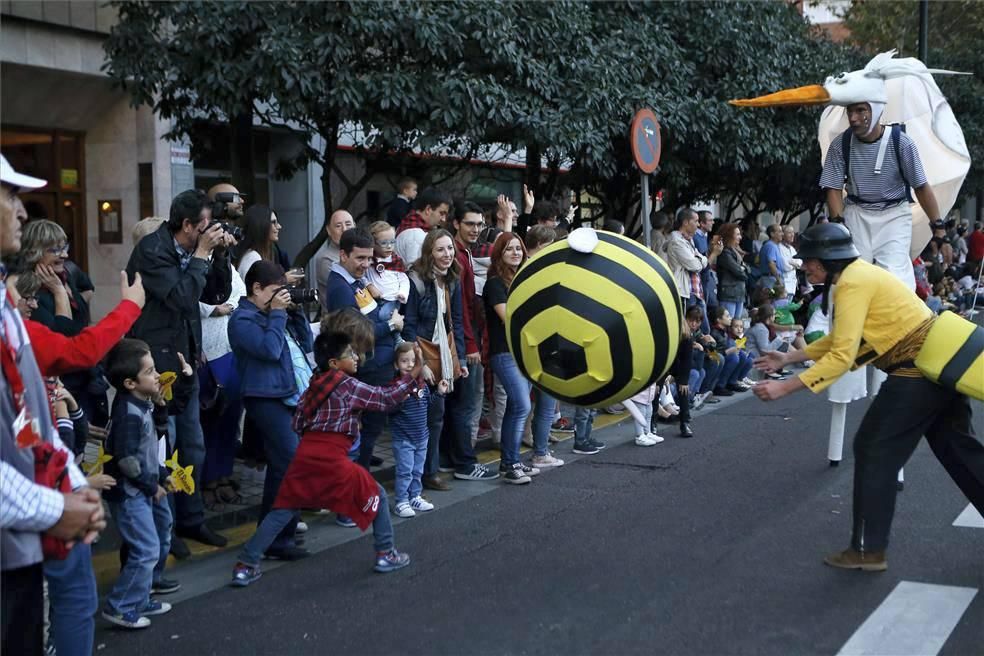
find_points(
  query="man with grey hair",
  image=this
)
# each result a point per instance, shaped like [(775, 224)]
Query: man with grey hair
[(686, 262)]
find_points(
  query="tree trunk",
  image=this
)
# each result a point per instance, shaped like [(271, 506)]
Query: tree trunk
[(241, 155), (327, 161), (533, 164)]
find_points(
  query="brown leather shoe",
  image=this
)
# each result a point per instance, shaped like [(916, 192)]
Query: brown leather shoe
[(873, 561), (435, 482)]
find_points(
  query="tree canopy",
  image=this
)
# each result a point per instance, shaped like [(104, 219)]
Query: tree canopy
[(558, 79)]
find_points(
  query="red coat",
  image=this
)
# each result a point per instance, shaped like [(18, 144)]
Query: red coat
[(58, 355)]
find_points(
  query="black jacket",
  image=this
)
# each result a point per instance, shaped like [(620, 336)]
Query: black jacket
[(171, 320), (732, 274)]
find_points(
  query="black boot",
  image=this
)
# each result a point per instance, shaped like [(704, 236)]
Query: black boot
[(685, 430)]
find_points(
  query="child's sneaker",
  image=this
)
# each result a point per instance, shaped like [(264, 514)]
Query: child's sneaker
[(129, 620), (155, 608), (390, 561), (644, 440), (403, 509), (243, 574), (420, 504), (302, 527)]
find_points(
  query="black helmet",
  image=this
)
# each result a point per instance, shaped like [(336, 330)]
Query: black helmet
[(827, 241)]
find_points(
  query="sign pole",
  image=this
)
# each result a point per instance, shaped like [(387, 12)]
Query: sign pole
[(646, 224), (646, 145)]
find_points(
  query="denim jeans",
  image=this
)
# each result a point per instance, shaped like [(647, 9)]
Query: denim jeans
[(705, 323), (542, 420), (517, 405), (185, 435), (734, 308), (280, 518), (712, 371), (145, 526), (455, 434), (498, 408), (74, 601), (583, 423), (409, 456), (273, 419), (696, 378), (435, 426), (743, 368), (476, 371)]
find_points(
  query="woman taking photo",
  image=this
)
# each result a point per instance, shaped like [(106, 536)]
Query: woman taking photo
[(434, 321), (508, 254), (266, 355), (732, 271)]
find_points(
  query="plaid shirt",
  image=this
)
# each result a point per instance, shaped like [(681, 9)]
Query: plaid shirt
[(481, 249), (347, 397), (413, 220), (395, 263)]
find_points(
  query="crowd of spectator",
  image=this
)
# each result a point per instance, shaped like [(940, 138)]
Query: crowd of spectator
[(226, 355)]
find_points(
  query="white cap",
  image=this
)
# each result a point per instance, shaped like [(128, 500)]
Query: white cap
[(15, 179)]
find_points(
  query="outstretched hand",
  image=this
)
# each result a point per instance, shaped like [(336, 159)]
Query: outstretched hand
[(770, 361)]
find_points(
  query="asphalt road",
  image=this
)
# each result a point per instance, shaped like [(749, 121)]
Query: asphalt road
[(704, 546)]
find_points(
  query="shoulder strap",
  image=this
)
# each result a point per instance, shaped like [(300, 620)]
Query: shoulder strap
[(846, 152), (418, 283), (897, 130)]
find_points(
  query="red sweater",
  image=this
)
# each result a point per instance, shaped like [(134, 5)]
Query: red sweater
[(58, 355), (463, 255)]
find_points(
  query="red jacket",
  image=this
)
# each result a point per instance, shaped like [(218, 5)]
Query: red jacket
[(463, 255), (58, 355)]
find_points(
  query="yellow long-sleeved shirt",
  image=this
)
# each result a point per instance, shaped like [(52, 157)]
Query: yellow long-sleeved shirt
[(870, 304)]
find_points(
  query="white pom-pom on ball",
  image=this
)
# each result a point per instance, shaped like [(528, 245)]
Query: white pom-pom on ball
[(583, 240)]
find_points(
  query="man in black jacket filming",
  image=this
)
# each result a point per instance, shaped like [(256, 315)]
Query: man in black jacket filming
[(185, 261)]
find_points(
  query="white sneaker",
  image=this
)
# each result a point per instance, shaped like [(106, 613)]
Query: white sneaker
[(699, 400), (403, 509), (301, 528), (655, 438), (548, 460), (644, 440), (748, 381), (420, 504)]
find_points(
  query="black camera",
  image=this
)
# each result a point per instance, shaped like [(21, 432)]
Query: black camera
[(232, 229), (220, 209), (299, 295)]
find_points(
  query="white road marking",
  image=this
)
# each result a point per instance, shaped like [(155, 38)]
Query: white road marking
[(914, 620), (970, 517)]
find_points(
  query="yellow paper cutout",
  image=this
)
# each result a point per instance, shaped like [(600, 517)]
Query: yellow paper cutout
[(167, 381), (93, 468), (181, 476)]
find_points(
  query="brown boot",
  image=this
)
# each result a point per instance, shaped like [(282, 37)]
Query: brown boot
[(873, 561)]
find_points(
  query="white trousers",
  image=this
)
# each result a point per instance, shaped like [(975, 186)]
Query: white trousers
[(884, 238)]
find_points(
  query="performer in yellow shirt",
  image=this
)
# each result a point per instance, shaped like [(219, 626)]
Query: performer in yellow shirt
[(878, 320)]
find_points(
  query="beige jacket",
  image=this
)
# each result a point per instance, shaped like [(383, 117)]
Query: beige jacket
[(684, 259)]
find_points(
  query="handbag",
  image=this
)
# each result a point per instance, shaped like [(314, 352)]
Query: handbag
[(432, 350)]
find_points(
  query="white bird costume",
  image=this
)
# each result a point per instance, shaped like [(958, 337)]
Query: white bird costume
[(899, 91)]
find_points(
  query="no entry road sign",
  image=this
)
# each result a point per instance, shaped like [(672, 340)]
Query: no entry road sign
[(646, 142)]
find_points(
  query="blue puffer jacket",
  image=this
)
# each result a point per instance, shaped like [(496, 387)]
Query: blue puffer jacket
[(259, 342)]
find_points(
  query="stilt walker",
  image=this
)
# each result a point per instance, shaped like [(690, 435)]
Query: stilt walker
[(882, 125)]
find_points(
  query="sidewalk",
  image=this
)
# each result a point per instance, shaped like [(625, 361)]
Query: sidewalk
[(237, 522)]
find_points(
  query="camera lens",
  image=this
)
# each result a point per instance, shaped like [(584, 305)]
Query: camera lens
[(301, 295)]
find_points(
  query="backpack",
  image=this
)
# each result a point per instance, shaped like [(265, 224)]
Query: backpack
[(897, 130)]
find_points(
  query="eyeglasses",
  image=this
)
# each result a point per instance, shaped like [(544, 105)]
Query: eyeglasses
[(348, 354), (386, 242), (473, 224), (58, 250)]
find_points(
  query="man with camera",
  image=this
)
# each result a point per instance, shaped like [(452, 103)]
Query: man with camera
[(185, 261), (227, 203)]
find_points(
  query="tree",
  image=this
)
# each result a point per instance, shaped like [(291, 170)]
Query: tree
[(956, 30)]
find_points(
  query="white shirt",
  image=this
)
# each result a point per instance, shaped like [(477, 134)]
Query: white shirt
[(215, 335), (248, 259), (789, 265)]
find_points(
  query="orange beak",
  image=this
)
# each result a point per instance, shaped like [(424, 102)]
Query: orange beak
[(812, 94)]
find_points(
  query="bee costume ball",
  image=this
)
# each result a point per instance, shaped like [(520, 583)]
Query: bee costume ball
[(594, 319)]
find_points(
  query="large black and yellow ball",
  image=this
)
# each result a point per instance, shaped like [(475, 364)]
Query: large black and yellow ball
[(594, 328)]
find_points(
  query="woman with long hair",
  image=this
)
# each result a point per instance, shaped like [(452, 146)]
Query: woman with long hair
[(434, 321), (508, 255), (732, 271)]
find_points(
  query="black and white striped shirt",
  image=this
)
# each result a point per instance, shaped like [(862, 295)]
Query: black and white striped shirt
[(877, 192)]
